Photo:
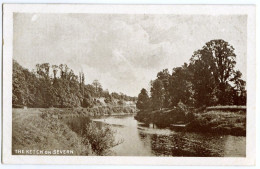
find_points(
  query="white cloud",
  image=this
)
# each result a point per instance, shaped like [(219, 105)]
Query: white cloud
[(124, 52)]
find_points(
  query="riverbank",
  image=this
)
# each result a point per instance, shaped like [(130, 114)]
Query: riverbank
[(45, 129), (88, 112), (165, 117), (32, 131), (219, 122), (208, 121)]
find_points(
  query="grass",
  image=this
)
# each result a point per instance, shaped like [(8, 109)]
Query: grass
[(30, 131), (228, 108), (95, 111), (44, 129), (226, 120), (166, 117), (221, 122)]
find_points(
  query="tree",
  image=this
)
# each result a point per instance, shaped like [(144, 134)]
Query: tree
[(120, 102), (37, 89), (238, 82), (82, 82), (90, 89), (20, 87), (202, 78), (143, 100), (87, 101), (108, 99), (219, 58), (43, 70), (115, 95), (62, 71), (55, 70), (106, 94), (239, 88), (180, 87), (165, 76), (98, 87), (157, 94)]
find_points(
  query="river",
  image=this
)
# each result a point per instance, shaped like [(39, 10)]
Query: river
[(138, 139)]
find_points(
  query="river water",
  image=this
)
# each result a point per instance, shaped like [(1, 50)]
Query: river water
[(138, 139)]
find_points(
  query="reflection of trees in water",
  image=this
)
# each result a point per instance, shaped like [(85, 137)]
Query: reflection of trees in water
[(145, 138), (142, 135), (181, 145)]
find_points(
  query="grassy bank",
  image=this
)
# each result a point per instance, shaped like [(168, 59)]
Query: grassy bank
[(30, 131), (89, 112), (219, 121), (44, 129), (165, 117)]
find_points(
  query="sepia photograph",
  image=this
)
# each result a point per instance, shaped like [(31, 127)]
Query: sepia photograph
[(134, 84)]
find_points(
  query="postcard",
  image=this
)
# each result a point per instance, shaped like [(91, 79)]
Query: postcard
[(129, 84)]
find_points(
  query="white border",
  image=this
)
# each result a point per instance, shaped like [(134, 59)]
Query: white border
[(9, 9)]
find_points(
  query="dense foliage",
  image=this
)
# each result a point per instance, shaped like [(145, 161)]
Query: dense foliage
[(143, 100), (208, 80), (58, 86)]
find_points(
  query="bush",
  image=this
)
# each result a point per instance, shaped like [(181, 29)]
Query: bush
[(108, 99), (166, 117), (219, 122), (120, 102), (87, 102), (100, 139)]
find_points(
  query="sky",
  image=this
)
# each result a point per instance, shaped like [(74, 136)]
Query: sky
[(123, 51)]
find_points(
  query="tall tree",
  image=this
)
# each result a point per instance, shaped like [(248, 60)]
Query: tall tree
[(55, 70), (43, 70), (239, 88), (165, 76), (82, 82), (220, 58), (143, 100), (180, 86), (157, 94), (98, 87), (202, 77)]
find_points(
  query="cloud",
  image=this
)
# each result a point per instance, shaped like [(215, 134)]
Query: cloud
[(124, 52)]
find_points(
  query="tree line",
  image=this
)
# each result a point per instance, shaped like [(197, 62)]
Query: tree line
[(58, 86), (209, 79)]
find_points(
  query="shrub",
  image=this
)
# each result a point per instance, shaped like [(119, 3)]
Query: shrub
[(100, 139), (120, 102), (87, 102)]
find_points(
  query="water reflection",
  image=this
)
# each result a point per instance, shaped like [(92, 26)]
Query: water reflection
[(138, 139), (179, 144)]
